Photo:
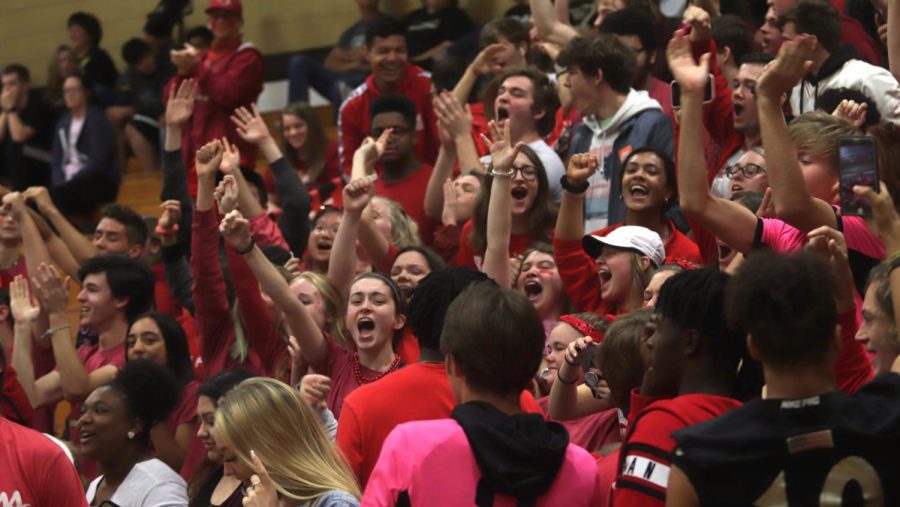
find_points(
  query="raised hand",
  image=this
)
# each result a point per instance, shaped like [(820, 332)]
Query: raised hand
[(23, 309), (371, 149), (231, 157), (184, 59), (793, 62), (314, 390), (208, 159), (885, 223), (698, 18), (16, 202), (832, 245), (766, 206), (581, 167), (262, 492), (690, 75), (503, 154), (450, 214), (294, 266), (484, 62), (357, 195), (851, 112), (250, 125), (180, 106), (171, 214), (40, 196), (50, 289), (236, 231), (455, 117), (226, 195)]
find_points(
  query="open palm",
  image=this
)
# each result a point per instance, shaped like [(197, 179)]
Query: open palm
[(503, 153), (21, 305), (690, 75), (180, 106)]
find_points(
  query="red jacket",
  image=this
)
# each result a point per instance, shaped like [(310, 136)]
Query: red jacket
[(226, 80), (354, 121)]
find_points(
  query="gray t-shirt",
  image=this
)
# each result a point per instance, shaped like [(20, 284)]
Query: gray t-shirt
[(150, 483)]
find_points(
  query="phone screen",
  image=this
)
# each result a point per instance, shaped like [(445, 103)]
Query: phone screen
[(707, 93), (858, 166)]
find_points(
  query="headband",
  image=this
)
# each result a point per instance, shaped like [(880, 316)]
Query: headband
[(583, 327)]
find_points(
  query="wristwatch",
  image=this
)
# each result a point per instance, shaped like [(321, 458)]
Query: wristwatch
[(568, 187)]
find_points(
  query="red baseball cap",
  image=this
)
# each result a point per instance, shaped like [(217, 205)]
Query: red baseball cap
[(233, 6)]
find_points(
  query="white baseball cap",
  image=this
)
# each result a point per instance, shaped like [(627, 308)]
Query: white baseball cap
[(631, 237)]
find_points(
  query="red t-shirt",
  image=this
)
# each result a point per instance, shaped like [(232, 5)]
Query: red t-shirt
[(409, 192), (338, 364), (9, 274), (590, 432), (36, 471), (408, 346), (646, 455), (467, 257), (14, 405), (371, 412)]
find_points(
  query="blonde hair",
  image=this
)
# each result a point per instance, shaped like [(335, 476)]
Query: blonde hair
[(640, 278), (404, 230), (334, 305), (817, 132), (269, 417)]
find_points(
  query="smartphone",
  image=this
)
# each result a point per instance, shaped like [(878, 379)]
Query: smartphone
[(708, 94), (858, 165)]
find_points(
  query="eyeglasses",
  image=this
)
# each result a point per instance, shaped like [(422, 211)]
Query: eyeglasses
[(528, 172), (396, 131), (748, 170), (321, 229)]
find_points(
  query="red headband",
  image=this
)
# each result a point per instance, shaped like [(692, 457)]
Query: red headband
[(583, 327)]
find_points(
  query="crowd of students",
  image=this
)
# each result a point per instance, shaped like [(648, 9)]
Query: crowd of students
[(534, 274)]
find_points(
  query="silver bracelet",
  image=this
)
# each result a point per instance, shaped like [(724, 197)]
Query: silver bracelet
[(54, 330), (494, 172)]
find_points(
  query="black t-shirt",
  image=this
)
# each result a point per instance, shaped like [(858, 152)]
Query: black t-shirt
[(425, 31), (28, 164), (100, 68), (795, 452)]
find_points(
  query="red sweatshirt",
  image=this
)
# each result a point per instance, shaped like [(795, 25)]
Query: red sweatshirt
[(227, 78), (354, 121), (579, 272), (212, 312)]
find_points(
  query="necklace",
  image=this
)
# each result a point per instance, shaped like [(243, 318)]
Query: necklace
[(357, 370)]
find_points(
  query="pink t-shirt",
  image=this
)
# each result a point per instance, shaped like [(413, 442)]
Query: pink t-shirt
[(782, 237), (36, 471), (433, 463)]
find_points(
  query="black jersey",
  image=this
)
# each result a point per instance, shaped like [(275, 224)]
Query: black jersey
[(833, 449)]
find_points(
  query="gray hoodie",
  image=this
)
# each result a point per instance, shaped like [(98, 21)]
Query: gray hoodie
[(639, 123)]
